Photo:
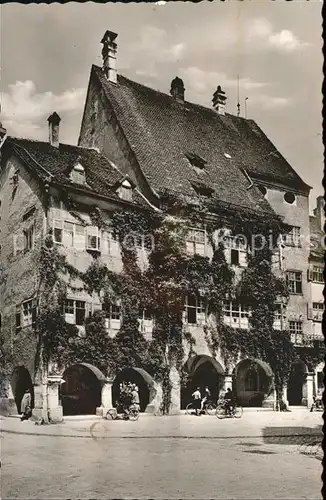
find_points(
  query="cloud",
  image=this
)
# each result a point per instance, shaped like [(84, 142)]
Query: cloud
[(154, 49), (269, 103), (24, 111), (207, 81), (260, 34)]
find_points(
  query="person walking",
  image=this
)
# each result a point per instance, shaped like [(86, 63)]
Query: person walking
[(197, 400), (26, 406)]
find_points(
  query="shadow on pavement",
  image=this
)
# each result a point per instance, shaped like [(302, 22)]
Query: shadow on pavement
[(293, 435)]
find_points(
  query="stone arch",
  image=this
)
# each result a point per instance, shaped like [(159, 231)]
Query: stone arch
[(21, 381), (253, 381), (80, 394), (202, 370), (144, 382), (296, 386)]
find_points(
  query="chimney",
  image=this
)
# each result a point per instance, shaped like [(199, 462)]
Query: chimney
[(177, 90), (109, 54), (54, 121), (219, 100), (319, 211)]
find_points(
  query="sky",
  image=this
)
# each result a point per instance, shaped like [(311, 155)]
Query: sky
[(274, 50)]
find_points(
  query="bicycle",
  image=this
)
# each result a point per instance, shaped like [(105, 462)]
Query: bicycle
[(208, 409), (224, 411), (133, 414)]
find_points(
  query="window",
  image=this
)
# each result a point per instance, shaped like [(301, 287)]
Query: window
[(317, 274), (113, 316), (196, 160), (110, 244), (236, 315), (263, 190), (293, 237), (235, 250), (69, 234), (289, 198), (317, 311), (28, 239), (277, 325), (58, 231), (294, 280), (146, 322), (93, 238), (75, 312), (125, 191), (77, 174), (29, 213), (26, 314), (295, 328), (195, 241), (202, 190), (195, 311)]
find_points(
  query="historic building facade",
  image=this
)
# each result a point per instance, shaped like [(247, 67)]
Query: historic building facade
[(136, 146)]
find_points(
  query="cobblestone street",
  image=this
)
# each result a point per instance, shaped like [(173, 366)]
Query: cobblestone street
[(263, 455)]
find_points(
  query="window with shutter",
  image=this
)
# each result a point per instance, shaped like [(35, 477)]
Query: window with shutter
[(93, 241)]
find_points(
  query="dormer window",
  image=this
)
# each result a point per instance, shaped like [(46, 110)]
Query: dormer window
[(77, 175), (196, 160), (202, 189), (125, 191)]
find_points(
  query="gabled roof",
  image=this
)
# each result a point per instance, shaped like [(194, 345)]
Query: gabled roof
[(162, 132), (53, 164)]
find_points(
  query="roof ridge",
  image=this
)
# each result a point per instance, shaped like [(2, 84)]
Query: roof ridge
[(160, 92)]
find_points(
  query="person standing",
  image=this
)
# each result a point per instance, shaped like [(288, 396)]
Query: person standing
[(26, 406), (135, 397), (197, 400)]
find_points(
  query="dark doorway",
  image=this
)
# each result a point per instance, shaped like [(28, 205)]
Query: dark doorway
[(20, 382), (295, 384), (81, 392), (204, 375), (133, 376)]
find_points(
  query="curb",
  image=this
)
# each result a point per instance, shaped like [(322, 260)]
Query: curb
[(90, 436)]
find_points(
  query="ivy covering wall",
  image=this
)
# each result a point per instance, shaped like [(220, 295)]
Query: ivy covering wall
[(162, 288)]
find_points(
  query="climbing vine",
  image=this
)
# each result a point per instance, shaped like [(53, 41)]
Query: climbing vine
[(161, 288)]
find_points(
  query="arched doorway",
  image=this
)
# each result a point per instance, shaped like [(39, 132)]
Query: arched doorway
[(136, 376), (296, 383), (20, 382), (253, 381), (203, 371), (80, 394)]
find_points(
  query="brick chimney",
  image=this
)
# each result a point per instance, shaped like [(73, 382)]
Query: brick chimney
[(219, 101), (54, 121), (109, 54), (178, 90), (319, 212)]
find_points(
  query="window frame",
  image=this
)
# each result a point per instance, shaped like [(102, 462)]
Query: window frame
[(195, 241), (295, 282), (73, 311), (199, 307), (97, 236), (236, 312), (317, 274), (29, 319), (296, 333)]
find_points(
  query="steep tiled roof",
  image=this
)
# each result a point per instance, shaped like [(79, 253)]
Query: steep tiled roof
[(101, 174), (316, 238), (162, 131)]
